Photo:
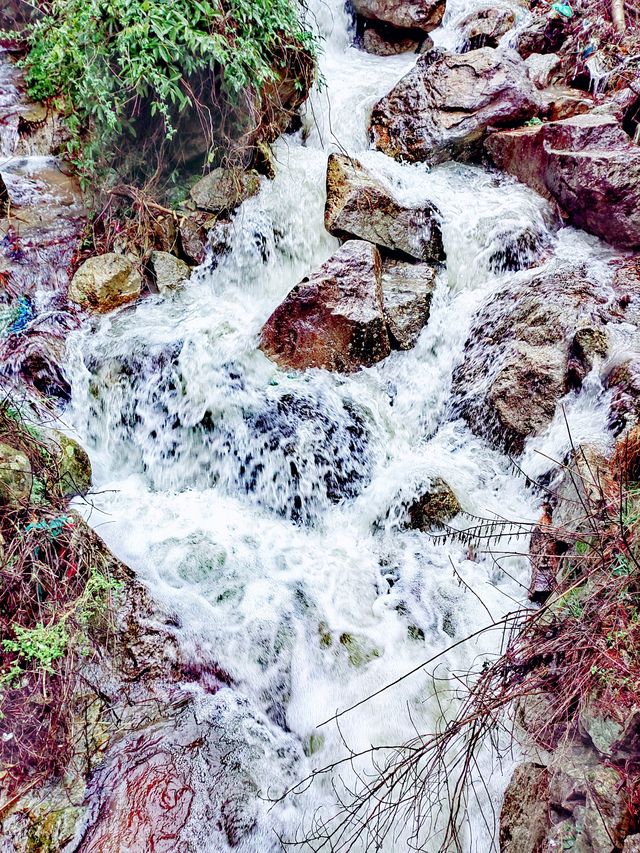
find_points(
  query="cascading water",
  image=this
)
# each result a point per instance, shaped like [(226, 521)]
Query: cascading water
[(261, 507)]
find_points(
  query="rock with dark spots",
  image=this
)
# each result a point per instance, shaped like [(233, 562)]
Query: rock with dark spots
[(382, 40), (333, 319), (588, 345), (544, 69), (434, 508), (544, 35), (516, 362), (223, 189), (169, 272), (524, 818), (192, 237), (587, 164), (443, 108), (484, 27), (623, 380), (423, 15), (105, 282), (360, 206), (561, 102), (16, 479), (74, 466), (631, 844), (406, 291)]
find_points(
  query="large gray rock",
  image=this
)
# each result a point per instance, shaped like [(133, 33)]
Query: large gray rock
[(407, 290), (587, 164), (224, 189), (524, 820), (105, 282), (423, 15), (520, 349), (333, 319), (358, 205), (485, 26), (443, 107), (169, 272)]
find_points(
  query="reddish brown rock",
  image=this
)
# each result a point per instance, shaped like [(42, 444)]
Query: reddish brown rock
[(443, 107), (333, 319), (587, 164), (484, 27)]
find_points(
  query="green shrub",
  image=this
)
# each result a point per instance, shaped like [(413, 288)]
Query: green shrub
[(115, 62)]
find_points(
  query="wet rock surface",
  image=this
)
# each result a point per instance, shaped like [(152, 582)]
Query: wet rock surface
[(105, 282), (333, 319), (224, 189), (407, 289), (443, 108), (587, 164), (517, 356), (484, 27), (360, 206), (169, 272), (423, 15)]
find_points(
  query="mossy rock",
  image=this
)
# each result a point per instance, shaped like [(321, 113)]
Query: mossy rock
[(434, 508), (16, 477), (74, 467)]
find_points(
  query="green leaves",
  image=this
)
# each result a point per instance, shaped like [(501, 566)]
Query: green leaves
[(111, 58)]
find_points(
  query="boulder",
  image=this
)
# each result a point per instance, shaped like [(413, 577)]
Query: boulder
[(105, 282), (16, 479), (192, 236), (623, 380), (382, 40), (334, 318), (407, 289), (168, 271), (544, 69), (223, 189), (543, 557), (360, 206), (517, 355), (443, 108), (524, 818), (434, 508), (423, 15), (74, 466), (587, 164), (484, 27)]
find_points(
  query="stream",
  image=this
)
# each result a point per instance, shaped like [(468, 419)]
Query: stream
[(263, 508)]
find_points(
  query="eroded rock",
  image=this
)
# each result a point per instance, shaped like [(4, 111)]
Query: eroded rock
[(407, 290), (382, 40), (169, 272), (223, 189), (587, 164), (16, 479), (524, 815), (443, 107), (105, 282), (484, 27), (516, 364), (434, 508), (423, 15), (360, 206), (74, 466), (334, 318)]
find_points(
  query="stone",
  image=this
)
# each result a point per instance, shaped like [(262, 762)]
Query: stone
[(105, 282), (169, 272), (587, 164), (388, 41), (544, 69), (602, 730), (74, 466), (484, 27), (443, 108), (4, 197), (516, 360), (631, 844), (16, 479), (407, 289), (423, 15), (334, 318), (524, 817), (434, 508), (360, 206), (222, 190), (623, 380), (192, 237)]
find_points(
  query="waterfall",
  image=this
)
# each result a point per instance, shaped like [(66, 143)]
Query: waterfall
[(260, 506)]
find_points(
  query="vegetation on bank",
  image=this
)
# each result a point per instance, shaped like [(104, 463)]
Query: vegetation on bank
[(57, 591), (128, 74)]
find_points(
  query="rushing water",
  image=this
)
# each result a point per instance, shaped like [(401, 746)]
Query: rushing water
[(261, 507)]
